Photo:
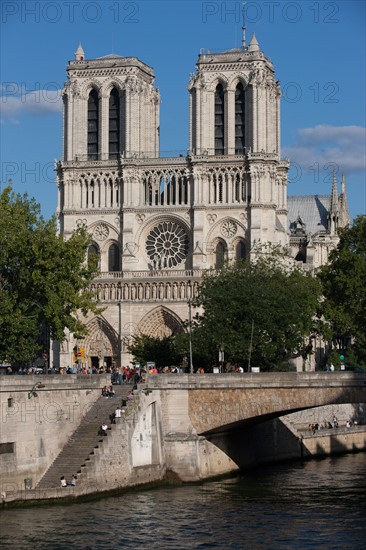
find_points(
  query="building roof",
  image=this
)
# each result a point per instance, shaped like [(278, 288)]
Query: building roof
[(111, 56), (313, 211)]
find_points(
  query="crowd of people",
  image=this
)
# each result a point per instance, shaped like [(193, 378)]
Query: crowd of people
[(327, 425), (128, 374)]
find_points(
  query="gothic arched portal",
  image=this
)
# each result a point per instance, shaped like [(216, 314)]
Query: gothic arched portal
[(160, 323), (101, 344)]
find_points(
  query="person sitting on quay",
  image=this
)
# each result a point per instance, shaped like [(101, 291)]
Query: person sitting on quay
[(72, 482), (111, 392), (103, 429), (130, 395), (63, 481)]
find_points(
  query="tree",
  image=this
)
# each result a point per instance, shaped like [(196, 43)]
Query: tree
[(160, 350), (263, 310), (344, 289), (44, 279)]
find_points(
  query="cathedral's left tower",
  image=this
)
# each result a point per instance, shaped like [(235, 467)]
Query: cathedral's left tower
[(110, 117), (110, 108), (111, 113)]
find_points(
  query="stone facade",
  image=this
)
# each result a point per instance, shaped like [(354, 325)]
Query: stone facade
[(157, 223)]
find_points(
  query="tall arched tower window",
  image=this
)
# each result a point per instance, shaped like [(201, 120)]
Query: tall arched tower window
[(220, 255), (114, 124), (94, 254), (93, 125), (219, 120), (240, 251), (239, 119), (113, 258), (66, 129)]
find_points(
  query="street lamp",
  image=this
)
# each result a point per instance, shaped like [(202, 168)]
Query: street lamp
[(119, 333), (190, 329), (222, 357), (250, 346)]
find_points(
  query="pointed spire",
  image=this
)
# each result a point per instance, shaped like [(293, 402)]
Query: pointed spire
[(343, 204), (334, 196), (79, 54), (244, 29), (253, 44), (333, 207)]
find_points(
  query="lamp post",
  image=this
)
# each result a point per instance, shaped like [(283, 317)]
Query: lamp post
[(120, 333), (250, 345), (190, 329), (222, 357)]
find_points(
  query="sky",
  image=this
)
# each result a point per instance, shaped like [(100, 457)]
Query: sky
[(317, 48)]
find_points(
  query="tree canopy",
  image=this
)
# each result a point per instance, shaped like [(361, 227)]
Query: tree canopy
[(44, 279), (163, 351), (262, 312), (344, 288)]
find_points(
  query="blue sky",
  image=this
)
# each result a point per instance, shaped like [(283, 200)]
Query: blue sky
[(318, 50)]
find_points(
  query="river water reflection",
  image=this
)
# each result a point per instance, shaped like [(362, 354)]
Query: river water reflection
[(315, 504)]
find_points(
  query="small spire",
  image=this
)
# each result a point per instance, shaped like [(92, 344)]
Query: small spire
[(343, 188), (334, 196), (343, 204), (79, 54), (333, 207), (253, 44), (244, 29)]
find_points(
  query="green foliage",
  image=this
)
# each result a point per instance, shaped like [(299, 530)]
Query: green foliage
[(268, 302), (344, 288), (160, 350), (44, 279)]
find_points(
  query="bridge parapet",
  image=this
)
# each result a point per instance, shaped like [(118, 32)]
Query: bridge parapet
[(256, 380)]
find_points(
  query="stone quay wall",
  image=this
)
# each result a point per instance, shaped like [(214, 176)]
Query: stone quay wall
[(36, 422), (160, 429)]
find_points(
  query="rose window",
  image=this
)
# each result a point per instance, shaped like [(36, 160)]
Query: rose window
[(101, 232), (228, 229), (167, 245)]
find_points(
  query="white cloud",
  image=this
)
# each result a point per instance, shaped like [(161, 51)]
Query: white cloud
[(15, 101), (344, 147)]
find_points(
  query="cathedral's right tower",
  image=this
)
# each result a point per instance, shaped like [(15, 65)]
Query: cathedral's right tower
[(235, 111)]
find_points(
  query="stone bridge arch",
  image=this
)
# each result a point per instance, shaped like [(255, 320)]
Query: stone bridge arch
[(216, 410), (216, 403), (214, 423)]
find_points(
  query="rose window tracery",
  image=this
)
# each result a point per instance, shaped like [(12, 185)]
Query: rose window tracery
[(101, 232), (229, 229), (167, 245)]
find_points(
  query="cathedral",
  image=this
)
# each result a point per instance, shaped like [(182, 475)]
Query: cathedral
[(157, 223)]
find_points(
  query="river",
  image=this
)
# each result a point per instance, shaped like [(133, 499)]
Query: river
[(312, 504)]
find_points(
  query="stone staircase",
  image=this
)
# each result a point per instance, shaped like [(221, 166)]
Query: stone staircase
[(84, 440)]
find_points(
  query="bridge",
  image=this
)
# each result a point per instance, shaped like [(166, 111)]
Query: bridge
[(190, 426), (217, 402), (212, 424)]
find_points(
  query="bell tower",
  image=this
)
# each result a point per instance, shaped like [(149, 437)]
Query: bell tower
[(111, 108), (235, 114), (234, 103)]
